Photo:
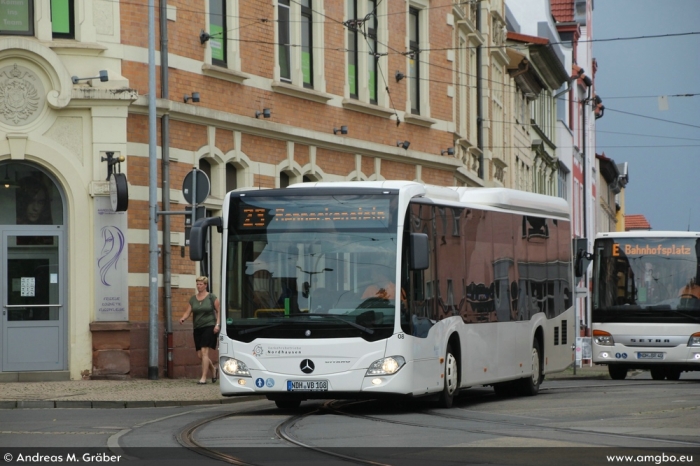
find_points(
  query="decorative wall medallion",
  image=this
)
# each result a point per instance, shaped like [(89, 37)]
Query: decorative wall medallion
[(22, 95)]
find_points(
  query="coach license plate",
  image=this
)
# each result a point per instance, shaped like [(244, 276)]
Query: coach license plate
[(650, 355), (307, 385)]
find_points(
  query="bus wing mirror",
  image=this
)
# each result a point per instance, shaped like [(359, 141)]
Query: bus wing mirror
[(198, 236), (582, 258), (420, 251)]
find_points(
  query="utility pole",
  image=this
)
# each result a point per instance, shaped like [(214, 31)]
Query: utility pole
[(152, 201)]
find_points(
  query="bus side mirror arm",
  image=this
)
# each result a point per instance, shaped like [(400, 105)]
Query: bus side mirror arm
[(198, 235), (581, 255), (420, 251)]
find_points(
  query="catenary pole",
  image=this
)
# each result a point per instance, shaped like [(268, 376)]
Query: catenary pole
[(152, 201)]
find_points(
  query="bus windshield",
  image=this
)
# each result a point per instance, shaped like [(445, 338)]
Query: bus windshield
[(308, 266), (645, 274)]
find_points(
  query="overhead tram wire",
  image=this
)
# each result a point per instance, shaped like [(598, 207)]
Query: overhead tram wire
[(652, 96), (506, 86), (651, 118), (645, 135), (267, 20)]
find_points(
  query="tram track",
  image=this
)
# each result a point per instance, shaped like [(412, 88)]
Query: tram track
[(522, 425), (187, 438), (285, 430)]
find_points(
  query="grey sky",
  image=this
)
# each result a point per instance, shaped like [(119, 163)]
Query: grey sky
[(664, 181)]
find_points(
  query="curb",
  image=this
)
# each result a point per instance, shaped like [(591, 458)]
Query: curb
[(74, 404)]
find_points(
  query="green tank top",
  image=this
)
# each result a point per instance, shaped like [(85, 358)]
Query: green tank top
[(204, 313)]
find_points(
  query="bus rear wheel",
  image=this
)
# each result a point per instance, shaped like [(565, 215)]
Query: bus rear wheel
[(451, 380), (617, 372), (673, 374), (658, 374)]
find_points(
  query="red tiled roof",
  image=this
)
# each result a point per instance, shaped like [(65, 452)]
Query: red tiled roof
[(563, 10), (516, 36), (636, 222)]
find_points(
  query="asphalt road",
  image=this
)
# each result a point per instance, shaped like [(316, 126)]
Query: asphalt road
[(567, 416)]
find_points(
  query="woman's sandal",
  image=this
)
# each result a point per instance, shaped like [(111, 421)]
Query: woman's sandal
[(201, 383), (216, 376)]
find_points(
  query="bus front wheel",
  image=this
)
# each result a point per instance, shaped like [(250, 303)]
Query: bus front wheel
[(451, 379), (530, 386), (617, 372)]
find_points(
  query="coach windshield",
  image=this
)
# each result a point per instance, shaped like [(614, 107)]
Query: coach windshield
[(646, 278)]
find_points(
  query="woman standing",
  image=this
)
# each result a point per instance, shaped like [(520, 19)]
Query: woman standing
[(206, 310)]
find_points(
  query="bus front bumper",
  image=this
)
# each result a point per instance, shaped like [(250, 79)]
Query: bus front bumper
[(347, 384)]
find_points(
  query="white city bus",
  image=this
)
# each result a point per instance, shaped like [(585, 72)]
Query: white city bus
[(646, 304), (482, 292)]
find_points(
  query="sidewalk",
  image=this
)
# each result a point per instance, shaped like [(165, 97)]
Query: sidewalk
[(587, 372), (143, 393), (133, 393)]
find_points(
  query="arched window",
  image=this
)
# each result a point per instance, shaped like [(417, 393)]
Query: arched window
[(284, 180), (205, 166), (231, 177), (28, 196)]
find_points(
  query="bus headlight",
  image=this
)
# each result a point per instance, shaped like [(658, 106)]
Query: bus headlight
[(603, 338), (694, 339), (234, 367), (386, 366)]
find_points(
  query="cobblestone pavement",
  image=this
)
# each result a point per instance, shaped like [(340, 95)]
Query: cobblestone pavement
[(149, 393)]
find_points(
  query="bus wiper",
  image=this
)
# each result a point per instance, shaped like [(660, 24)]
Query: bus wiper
[(257, 329), (696, 318), (353, 324)]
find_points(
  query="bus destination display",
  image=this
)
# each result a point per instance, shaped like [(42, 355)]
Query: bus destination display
[(316, 214)]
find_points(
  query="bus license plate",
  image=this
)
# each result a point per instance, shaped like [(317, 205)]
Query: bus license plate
[(307, 385), (650, 355)]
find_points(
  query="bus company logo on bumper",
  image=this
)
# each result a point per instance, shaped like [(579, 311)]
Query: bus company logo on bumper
[(307, 366), (261, 351)]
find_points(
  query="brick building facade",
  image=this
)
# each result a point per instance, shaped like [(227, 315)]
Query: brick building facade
[(256, 94)]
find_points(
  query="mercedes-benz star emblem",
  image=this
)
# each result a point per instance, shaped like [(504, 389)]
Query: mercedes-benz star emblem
[(307, 366)]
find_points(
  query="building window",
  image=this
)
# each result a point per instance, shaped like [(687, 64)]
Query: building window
[(307, 42), (414, 59), (217, 31), (373, 56), (231, 177), (563, 184), (284, 180), (352, 49), (462, 85), (34, 195), (283, 25), (17, 18), (205, 166), (363, 40), (299, 36), (498, 115), (62, 19), (472, 94)]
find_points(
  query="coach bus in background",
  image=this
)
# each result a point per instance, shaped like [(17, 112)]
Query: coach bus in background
[(646, 302), (392, 288)]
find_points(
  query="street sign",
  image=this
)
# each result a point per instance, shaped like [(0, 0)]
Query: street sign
[(202, 187)]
